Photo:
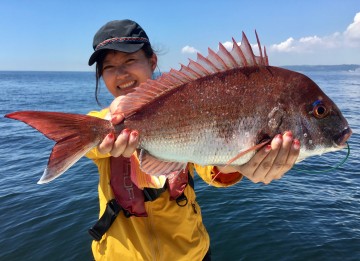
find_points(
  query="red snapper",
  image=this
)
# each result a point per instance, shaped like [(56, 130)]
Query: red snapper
[(215, 111)]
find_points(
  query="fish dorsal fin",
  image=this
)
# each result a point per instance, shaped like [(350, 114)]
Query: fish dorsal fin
[(223, 60)]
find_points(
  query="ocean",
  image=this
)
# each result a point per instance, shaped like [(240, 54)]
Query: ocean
[(304, 216)]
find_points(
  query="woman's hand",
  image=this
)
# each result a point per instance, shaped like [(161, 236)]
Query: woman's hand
[(271, 162), (123, 145)]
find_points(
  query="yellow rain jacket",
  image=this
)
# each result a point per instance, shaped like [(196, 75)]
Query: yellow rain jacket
[(170, 232)]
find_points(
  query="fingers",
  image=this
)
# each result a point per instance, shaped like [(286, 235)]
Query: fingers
[(272, 161), (281, 163), (292, 147), (250, 168), (120, 143), (107, 144), (293, 154), (269, 165), (124, 145), (117, 118), (133, 142)]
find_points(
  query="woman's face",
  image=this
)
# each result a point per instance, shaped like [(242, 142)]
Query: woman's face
[(122, 72)]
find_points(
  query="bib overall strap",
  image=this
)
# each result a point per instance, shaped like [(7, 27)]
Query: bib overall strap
[(103, 224), (113, 209), (150, 194)]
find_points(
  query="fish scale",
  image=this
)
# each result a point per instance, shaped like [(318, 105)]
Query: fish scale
[(209, 117)]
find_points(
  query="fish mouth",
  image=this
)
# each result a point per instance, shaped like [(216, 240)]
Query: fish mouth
[(342, 137)]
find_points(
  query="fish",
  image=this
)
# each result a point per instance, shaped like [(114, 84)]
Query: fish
[(218, 110)]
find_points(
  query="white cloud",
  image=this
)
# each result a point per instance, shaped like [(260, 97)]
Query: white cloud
[(228, 45), (286, 46), (310, 40), (353, 30), (307, 44), (338, 47), (189, 49)]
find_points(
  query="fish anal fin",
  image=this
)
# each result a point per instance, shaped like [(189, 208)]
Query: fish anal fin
[(156, 167)]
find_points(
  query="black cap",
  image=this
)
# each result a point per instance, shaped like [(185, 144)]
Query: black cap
[(119, 35)]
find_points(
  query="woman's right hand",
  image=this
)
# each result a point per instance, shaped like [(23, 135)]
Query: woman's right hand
[(123, 145)]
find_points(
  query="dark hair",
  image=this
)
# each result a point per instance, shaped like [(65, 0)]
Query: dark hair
[(148, 50)]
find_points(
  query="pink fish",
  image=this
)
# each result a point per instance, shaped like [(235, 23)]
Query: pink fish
[(217, 110)]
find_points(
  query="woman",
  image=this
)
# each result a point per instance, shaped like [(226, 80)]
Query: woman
[(161, 219)]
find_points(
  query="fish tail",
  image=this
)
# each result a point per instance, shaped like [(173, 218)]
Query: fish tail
[(74, 135)]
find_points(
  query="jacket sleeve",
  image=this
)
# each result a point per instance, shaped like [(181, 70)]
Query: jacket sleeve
[(212, 176), (94, 153)]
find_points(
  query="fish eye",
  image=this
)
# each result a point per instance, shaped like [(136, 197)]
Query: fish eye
[(320, 111)]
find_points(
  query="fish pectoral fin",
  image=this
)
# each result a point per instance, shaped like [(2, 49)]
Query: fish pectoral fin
[(242, 153), (156, 167)]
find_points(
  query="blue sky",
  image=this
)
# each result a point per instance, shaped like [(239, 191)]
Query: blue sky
[(57, 35)]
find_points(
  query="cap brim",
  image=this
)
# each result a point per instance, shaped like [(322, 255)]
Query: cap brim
[(121, 47)]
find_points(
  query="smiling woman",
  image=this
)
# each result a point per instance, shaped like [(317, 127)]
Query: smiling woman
[(123, 71), (124, 59)]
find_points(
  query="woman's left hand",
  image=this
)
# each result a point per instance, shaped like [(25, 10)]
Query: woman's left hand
[(125, 143), (271, 162)]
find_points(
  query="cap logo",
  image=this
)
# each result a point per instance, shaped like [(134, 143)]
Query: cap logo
[(122, 40)]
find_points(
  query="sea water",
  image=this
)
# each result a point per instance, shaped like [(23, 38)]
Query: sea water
[(303, 216)]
